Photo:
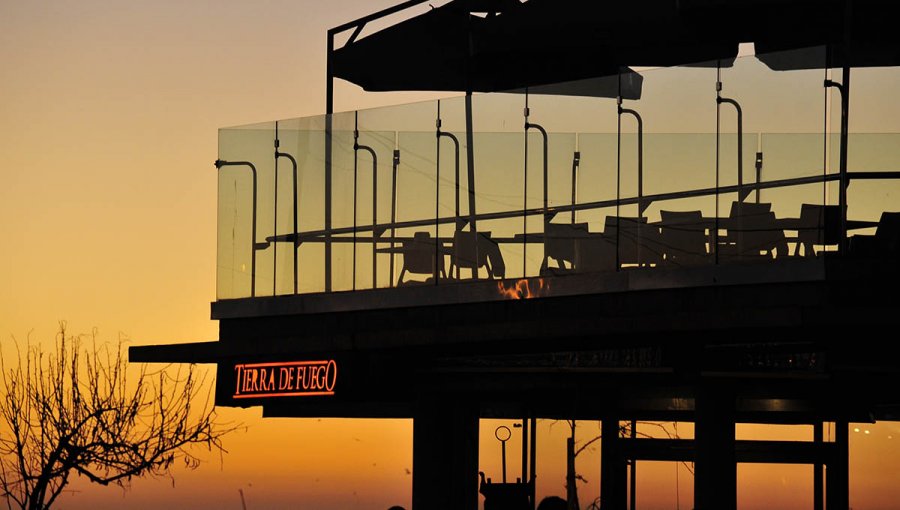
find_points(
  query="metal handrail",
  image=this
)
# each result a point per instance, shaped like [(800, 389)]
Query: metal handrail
[(552, 211)]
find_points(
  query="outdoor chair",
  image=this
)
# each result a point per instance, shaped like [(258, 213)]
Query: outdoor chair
[(886, 241), (753, 234), (559, 244), (419, 257), (474, 250), (819, 226), (683, 238), (637, 242)]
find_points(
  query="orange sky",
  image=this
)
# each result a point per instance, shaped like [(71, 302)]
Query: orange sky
[(108, 124)]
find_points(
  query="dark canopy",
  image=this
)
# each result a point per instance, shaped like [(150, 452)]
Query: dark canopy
[(451, 49), (489, 46)]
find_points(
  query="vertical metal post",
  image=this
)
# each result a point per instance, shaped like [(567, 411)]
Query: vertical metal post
[(526, 112), (329, 111), (843, 89), (546, 170), (524, 450), (715, 236), (437, 194), (633, 468), (618, 169), (275, 220), (293, 161), (818, 480), (740, 143), (395, 166), (355, 174), (470, 161), (533, 453), (253, 245), (576, 161)]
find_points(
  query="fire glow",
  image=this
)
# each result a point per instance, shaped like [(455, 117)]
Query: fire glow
[(524, 289), (285, 379)]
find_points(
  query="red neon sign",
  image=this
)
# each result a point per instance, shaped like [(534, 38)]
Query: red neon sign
[(285, 379)]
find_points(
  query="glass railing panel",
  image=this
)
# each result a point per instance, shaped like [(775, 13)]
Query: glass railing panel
[(341, 244), (772, 125), (499, 184), (651, 195), (873, 147), (580, 169), (452, 191), (596, 174), (675, 229), (244, 267), (301, 141)]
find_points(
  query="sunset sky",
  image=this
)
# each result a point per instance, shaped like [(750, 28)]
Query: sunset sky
[(109, 114)]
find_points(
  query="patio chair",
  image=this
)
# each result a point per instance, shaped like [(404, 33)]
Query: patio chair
[(559, 244), (683, 238), (819, 226), (419, 256), (638, 242), (474, 250), (886, 241), (753, 234)]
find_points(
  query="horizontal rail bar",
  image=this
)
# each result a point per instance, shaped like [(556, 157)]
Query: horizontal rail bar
[(552, 211)]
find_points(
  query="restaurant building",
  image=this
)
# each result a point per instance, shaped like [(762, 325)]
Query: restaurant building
[(617, 219)]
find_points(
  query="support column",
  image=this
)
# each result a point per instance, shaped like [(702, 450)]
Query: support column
[(445, 455), (613, 470), (818, 479), (837, 496), (715, 468)]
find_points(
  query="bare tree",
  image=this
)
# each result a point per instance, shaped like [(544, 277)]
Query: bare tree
[(75, 411)]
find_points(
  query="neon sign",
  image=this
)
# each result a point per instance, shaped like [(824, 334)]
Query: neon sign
[(285, 379)]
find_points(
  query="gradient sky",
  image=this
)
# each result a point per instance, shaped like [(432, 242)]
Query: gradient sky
[(109, 114)]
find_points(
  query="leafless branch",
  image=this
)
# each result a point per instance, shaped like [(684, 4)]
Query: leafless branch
[(77, 410)]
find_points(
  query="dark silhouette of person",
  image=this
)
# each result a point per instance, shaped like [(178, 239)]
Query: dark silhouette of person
[(553, 503), (396, 507)]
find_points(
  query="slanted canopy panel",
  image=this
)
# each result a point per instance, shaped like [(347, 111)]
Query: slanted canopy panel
[(456, 48), (466, 45)]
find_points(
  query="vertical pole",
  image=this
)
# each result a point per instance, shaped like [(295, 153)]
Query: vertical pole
[(838, 471), (845, 122), (437, 193), (396, 165), (355, 172), (503, 455), (329, 110), (818, 481), (375, 231), (633, 482), (524, 450), (618, 167), (715, 236), (470, 161), (613, 475), (845, 126), (525, 193), (533, 453), (275, 219)]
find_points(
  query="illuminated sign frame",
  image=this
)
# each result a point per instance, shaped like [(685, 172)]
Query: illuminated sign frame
[(285, 379)]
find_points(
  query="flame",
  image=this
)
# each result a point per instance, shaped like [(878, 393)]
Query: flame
[(523, 289)]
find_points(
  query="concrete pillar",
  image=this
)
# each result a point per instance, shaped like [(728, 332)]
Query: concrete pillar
[(613, 470), (837, 487), (445, 455), (818, 479), (715, 468)]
